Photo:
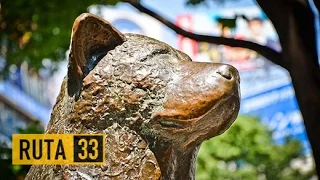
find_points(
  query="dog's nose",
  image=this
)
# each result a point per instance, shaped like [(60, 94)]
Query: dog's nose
[(228, 72)]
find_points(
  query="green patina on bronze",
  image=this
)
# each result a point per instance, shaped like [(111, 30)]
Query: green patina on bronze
[(154, 104)]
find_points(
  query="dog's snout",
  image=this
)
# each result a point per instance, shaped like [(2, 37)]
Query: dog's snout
[(228, 72)]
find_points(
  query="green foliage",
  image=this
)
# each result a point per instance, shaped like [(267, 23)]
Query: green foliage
[(247, 151), (9, 171), (31, 30), (33, 128)]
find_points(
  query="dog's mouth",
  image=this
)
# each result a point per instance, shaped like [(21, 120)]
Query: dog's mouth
[(193, 131), (214, 121)]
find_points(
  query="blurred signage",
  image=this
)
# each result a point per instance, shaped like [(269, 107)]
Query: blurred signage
[(187, 45), (278, 109)]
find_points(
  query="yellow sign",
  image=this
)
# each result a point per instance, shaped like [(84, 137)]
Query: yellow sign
[(58, 149)]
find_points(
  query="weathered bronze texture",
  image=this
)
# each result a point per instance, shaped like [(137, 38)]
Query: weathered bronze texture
[(154, 104)]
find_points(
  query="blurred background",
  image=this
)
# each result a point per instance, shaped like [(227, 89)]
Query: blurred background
[(268, 140)]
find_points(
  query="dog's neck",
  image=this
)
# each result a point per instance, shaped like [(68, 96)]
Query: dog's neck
[(169, 162), (176, 164)]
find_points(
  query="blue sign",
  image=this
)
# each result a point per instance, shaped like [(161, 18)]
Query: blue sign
[(278, 109)]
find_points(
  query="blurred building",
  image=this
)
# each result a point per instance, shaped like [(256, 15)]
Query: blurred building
[(23, 99)]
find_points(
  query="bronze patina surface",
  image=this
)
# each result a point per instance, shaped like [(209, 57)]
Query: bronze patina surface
[(154, 104)]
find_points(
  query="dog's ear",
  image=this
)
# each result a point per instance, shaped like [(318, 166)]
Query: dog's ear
[(91, 39)]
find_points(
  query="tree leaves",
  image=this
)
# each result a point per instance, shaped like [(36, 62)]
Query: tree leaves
[(247, 151), (33, 30)]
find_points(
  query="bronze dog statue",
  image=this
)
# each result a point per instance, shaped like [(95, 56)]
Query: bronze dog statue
[(154, 104)]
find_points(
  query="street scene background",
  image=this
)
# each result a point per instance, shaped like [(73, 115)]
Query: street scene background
[(266, 89)]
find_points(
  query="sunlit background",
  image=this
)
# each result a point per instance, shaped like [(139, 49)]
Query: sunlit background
[(268, 141)]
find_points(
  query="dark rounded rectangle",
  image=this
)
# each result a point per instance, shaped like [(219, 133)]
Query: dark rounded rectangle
[(88, 148)]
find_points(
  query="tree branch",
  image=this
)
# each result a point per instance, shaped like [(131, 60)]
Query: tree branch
[(267, 52)]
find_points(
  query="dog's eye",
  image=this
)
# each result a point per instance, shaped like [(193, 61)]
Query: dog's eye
[(170, 124), (168, 58)]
